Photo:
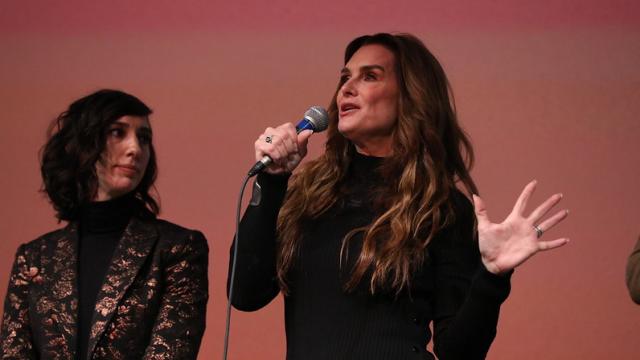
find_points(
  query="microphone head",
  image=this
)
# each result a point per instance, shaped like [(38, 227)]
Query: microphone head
[(319, 117)]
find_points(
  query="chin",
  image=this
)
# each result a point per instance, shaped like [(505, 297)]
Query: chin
[(344, 133), (345, 128), (125, 187), (349, 132), (350, 123)]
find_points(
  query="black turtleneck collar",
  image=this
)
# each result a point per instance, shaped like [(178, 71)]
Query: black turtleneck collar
[(363, 182), (364, 169), (111, 216), (363, 162)]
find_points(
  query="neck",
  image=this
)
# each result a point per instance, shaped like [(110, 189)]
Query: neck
[(375, 147), (102, 195), (107, 216)]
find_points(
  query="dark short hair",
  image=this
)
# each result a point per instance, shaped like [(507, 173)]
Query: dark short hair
[(76, 140)]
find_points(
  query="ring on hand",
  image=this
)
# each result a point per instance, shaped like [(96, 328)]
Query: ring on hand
[(269, 139), (538, 230)]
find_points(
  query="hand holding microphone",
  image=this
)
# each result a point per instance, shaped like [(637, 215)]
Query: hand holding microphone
[(279, 150)]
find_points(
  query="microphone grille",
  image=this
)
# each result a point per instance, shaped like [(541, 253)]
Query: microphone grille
[(319, 117)]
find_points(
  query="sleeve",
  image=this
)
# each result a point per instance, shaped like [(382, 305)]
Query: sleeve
[(255, 282), (16, 339), (467, 296), (180, 324), (633, 273)]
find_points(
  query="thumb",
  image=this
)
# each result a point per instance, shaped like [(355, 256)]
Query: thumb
[(303, 139), (480, 210)]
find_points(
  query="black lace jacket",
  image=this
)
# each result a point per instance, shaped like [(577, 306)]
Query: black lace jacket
[(152, 303)]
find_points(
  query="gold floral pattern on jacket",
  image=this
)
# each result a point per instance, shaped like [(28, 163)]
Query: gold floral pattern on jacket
[(152, 304)]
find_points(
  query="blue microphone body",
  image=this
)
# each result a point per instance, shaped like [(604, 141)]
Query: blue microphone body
[(304, 124)]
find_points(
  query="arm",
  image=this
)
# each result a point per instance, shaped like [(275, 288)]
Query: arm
[(255, 282), (502, 248), (180, 324), (633, 273), (16, 340), (467, 297)]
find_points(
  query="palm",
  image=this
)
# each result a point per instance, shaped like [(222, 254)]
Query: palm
[(506, 245)]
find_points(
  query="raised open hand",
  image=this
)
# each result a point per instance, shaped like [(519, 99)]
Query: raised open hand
[(506, 245)]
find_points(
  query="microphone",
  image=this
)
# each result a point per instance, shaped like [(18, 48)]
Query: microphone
[(315, 119)]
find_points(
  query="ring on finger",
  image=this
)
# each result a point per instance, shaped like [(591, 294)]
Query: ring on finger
[(539, 231), (269, 139)]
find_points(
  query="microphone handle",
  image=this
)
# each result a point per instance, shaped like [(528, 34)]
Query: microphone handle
[(259, 166)]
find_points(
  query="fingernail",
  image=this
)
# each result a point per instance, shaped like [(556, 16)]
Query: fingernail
[(567, 211), (561, 195)]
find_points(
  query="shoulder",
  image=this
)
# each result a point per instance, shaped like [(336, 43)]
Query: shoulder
[(178, 238), (48, 240), (45, 246), (169, 229), (633, 273), (463, 212), (461, 203), (460, 230)]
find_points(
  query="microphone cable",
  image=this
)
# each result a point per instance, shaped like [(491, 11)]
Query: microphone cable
[(233, 268), (316, 119)]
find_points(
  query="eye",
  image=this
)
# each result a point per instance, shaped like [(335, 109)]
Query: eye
[(116, 132), (370, 76), (344, 78), (144, 139)]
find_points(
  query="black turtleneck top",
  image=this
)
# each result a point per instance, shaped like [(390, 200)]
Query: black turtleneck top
[(452, 290), (101, 226)]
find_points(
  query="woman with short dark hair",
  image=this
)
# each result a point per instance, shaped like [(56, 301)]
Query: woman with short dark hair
[(373, 241), (116, 282)]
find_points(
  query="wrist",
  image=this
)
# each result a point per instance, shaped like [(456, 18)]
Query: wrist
[(493, 268)]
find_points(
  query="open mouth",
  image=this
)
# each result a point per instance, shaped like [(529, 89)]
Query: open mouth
[(348, 108)]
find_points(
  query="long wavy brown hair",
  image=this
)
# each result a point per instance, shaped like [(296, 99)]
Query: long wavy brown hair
[(430, 154)]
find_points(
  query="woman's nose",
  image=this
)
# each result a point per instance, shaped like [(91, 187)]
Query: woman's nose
[(348, 88), (133, 146)]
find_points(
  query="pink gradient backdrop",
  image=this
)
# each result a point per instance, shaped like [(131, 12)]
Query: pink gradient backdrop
[(547, 90)]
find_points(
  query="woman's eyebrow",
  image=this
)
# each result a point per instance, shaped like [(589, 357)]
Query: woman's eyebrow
[(363, 68)]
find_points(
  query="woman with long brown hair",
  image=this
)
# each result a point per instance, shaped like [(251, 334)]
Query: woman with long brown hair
[(373, 241)]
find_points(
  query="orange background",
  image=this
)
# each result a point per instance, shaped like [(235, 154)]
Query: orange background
[(547, 90)]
